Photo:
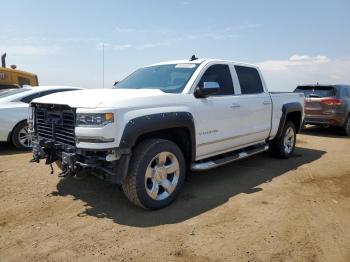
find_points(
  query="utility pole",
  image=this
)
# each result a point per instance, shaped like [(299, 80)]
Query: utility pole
[(103, 65)]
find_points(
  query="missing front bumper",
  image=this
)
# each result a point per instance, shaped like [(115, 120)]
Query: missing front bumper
[(111, 164)]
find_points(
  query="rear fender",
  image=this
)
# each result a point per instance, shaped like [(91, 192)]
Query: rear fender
[(287, 109)]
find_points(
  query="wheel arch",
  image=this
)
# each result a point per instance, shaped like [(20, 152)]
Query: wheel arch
[(291, 112), (177, 127)]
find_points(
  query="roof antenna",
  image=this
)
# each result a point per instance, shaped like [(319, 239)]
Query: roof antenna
[(193, 58)]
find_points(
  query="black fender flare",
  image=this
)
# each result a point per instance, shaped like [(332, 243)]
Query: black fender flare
[(286, 109), (157, 122)]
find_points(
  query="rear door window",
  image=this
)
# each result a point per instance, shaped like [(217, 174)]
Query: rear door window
[(249, 80), (316, 91)]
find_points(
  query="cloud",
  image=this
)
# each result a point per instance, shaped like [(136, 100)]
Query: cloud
[(285, 75), (227, 33), (214, 36), (121, 47), (123, 30), (115, 47), (29, 50), (292, 62), (104, 45), (126, 30), (153, 45)]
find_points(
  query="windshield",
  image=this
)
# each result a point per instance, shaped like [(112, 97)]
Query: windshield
[(316, 91), (168, 78), (12, 92)]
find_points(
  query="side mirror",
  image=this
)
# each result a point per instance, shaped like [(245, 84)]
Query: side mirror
[(115, 83), (208, 88)]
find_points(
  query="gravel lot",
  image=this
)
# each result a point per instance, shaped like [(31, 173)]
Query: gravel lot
[(259, 209)]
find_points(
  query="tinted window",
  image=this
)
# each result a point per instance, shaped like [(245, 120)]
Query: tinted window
[(316, 91), (220, 74), (249, 80)]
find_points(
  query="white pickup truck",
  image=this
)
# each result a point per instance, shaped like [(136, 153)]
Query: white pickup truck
[(163, 120)]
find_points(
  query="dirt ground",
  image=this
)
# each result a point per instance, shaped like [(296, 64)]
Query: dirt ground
[(259, 209)]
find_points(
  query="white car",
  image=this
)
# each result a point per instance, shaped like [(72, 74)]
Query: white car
[(14, 110)]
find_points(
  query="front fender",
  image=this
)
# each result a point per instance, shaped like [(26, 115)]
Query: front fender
[(156, 122)]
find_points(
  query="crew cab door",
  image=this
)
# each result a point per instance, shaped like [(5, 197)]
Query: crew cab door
[(255, 104), (218, 116)]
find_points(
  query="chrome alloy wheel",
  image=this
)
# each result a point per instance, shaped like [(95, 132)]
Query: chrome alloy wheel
[(289, 139), (162, 176), (25, 137)]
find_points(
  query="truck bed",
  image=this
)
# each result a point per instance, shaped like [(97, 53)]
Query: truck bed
[(278, 100)]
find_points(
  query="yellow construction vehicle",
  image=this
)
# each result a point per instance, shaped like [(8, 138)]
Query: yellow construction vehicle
[(10, 77)]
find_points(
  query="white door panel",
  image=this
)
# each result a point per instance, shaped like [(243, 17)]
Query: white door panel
[(256, 110), (228, 122)]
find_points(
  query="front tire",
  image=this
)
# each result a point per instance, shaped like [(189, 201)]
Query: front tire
[(21, 138), (156, 174), (284, 146)]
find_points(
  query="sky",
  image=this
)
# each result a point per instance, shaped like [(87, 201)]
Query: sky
[(293, 42)]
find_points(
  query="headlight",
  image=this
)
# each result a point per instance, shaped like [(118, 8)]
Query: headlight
[(94, 120)]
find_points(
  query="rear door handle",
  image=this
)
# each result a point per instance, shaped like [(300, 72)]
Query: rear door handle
[(234, 105)]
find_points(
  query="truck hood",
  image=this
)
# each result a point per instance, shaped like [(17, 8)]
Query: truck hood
[(93, 98)]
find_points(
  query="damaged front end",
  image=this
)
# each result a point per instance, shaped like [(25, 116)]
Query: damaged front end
[(53, 128)]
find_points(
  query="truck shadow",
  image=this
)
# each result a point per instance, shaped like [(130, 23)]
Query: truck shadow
[(9, 149), (202, 192), (331, 132)]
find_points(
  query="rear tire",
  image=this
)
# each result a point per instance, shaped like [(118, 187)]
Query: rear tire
[(21, 138), (156, 174), (283, 147), (346, 127)]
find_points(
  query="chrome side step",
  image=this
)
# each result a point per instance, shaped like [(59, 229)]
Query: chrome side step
[(228, 159)]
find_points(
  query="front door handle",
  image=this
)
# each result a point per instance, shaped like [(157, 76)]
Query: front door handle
[(234, 105), (267, 103)]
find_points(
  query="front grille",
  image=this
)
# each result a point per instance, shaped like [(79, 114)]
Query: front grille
[(55, 124)]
